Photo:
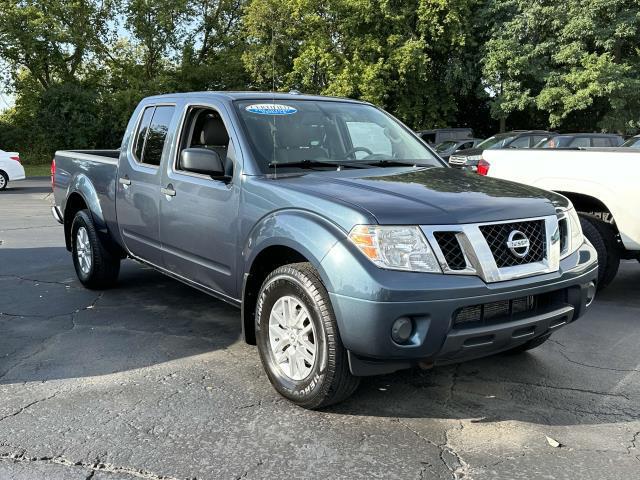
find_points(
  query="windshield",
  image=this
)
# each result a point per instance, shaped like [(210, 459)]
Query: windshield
[(308, 132), (497, 141), (444, 146), (633, 142)]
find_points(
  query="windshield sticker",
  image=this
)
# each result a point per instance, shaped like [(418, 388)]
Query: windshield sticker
[(270, 109)]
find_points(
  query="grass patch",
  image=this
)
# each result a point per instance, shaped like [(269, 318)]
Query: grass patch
[(43, 170)]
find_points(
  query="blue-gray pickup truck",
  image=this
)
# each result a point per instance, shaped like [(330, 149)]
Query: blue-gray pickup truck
[(351, 248)]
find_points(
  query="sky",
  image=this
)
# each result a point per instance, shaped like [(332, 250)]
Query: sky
[(6, 101)]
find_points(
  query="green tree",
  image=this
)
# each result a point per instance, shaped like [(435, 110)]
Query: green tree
[(408, 56), (577, 62)]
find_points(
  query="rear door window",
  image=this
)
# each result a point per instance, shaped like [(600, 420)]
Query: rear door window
[(156, 135)]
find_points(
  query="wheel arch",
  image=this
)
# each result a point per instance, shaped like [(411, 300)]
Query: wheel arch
[(83, 195), (588, 204), (281, 238)]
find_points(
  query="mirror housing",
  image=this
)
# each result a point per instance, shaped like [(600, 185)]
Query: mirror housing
[(202, 161)]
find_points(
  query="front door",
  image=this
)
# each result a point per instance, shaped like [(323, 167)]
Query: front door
[(138, 188), (198, 213)]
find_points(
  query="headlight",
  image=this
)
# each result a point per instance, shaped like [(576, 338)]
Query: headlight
[(571, 237), (395, 248)]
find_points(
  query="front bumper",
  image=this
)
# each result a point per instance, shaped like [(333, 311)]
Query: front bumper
[(365, 323)]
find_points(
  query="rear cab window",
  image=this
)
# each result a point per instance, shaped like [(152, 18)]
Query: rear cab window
[(152, 134)]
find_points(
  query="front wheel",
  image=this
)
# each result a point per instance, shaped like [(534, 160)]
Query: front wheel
[(95, 266), (298, 339)]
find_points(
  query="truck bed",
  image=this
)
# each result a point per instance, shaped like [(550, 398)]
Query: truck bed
[(101, 166)]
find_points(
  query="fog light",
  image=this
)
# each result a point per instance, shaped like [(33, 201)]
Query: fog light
[(402, 329), (591, 293)]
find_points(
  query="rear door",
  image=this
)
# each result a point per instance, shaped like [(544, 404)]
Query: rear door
[(139, 175)]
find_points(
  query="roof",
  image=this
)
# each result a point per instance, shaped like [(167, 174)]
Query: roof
[(252, 95), (590, 134)]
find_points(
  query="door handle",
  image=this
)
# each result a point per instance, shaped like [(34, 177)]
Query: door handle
[(124, 181), (168, 190)]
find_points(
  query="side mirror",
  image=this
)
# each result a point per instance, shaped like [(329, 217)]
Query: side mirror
[(201, 160)]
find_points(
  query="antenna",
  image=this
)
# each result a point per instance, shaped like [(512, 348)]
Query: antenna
[(273, 97)]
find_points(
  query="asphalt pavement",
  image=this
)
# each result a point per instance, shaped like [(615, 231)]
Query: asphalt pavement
[(151, 380)]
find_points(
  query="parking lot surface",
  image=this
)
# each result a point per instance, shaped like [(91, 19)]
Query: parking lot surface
[(151, 380)]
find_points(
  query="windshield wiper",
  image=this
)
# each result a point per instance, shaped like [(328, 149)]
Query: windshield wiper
[(393, 163), (312, 163)]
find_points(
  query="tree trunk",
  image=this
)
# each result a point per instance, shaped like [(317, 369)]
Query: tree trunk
[(503, 121)]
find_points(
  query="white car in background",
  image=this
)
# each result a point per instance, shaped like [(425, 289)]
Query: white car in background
[(10, 168), (602, 183)]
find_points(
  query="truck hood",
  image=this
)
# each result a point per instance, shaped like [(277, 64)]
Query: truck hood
[(426, 196)]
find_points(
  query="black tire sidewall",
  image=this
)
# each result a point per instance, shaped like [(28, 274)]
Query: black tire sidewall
[(608, 257), (6, 180), (309, 388), (82, 219)]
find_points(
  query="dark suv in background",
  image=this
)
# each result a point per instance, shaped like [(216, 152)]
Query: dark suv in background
[(514, 139), (439, 135), (449, 147), (582, 140)]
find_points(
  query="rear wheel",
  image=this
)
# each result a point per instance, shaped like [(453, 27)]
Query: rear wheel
[(603, 238), (298, 339), (4, 180), (95, 267)]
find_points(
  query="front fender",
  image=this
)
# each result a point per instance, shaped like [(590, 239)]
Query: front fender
[(309, 233)]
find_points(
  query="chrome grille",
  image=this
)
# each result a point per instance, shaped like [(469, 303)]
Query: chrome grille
[(481, 248), (451, 250), (497, 236), (456, 160)]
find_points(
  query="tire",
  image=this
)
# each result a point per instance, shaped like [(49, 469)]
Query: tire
[(95, 267), (529, 345), (314, 384), (4, 180), (603, 238)]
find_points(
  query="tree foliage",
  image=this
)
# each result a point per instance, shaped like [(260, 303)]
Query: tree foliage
[(77, 68), (576, 61)]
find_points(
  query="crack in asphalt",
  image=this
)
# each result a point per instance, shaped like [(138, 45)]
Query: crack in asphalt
[(459, 468), (96, 466), (35, 280), (554, 387), (29, 228), (569, 359), (28, 406), (632, 445), (46, 340)]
